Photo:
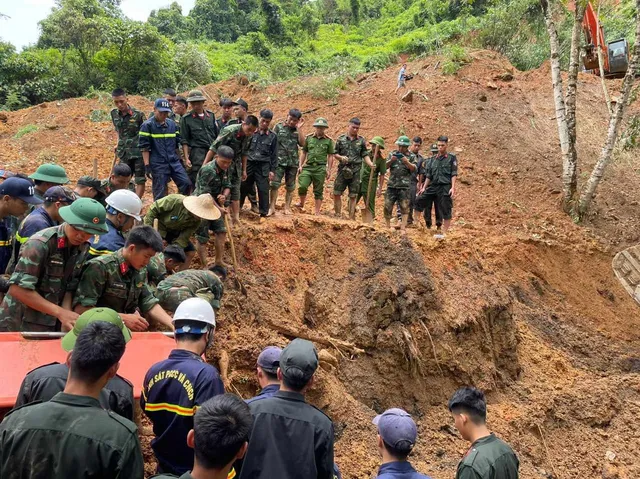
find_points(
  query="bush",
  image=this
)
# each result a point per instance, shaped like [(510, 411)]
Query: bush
[(25, 130)]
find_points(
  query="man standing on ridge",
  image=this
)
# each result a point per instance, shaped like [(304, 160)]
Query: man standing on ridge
[(198, 129), (401, 164), (290, 139), (317, 152)]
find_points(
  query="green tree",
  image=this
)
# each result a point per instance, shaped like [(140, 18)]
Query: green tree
[(192, 67), (170, 22), (355, 11), (273, 27), (216, 20)]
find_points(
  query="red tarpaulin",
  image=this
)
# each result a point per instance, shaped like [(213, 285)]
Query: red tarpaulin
[(18, 356)]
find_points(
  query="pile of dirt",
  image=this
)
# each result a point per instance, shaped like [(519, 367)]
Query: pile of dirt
[(518, 300)]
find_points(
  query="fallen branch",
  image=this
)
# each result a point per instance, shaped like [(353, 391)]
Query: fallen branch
[(433, 347), (546, 449), (331, 342)]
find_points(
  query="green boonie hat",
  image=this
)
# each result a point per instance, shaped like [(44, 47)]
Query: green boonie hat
[(51, 173), (321, 122), (96, 314), (85, 215), (196, 95), (90, 181), (403, 141), (434, 148), (377, 140)]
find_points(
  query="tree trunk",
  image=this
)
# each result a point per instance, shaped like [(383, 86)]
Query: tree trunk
[(568, 172), (607, 98), (614, 122)]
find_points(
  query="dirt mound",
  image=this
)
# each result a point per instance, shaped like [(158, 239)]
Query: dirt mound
[(518, 300)]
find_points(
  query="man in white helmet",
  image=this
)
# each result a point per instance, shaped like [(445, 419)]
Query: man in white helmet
[(174, 388), (123, 210)]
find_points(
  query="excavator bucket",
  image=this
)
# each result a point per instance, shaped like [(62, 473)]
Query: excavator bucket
[(626, 265), (19, 355)]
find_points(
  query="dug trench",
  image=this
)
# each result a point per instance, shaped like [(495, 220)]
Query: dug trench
[(403, 322)]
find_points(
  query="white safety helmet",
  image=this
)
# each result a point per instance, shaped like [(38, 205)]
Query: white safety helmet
[(195, 310), (126, 202)]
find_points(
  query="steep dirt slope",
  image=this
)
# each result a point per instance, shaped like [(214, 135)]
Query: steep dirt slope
[(518, 300)]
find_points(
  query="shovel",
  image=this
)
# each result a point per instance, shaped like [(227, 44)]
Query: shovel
[(239, 284), (367, 216)]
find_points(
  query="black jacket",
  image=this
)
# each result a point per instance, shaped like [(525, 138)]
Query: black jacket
[(44, 382), (290, 439)]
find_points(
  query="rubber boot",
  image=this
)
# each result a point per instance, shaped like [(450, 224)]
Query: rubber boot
[(273, 199), (287, 202), (337, 206)]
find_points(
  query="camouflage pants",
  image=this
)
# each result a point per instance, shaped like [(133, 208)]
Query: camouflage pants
[(289, 173), (342, 183), (172, 297), (216, 226), (393, 196), (364, 185), (137, 168)]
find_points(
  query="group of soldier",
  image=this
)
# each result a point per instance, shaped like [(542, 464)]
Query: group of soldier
[(185, 144)]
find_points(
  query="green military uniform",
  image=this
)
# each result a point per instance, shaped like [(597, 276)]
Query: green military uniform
[(110, 282), (69, 436), (187, 284), (349, 172), (489, 458), (128, 127), (440, 171), (156, 270), (233, 137), (107, 188), (49, 265), (398, 184), (175, 223), (315, 169), (212, 180), (198, 133), (380, 168), (288, 158)]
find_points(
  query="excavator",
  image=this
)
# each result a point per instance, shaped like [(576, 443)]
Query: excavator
[(615, 54)]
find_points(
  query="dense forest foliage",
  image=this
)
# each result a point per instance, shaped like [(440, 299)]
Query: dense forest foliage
[(89, 45)]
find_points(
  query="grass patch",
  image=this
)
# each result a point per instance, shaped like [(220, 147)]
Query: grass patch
[(25, 130), (97, 116)]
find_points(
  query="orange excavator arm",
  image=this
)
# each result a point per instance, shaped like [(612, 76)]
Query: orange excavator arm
[(594, 35)]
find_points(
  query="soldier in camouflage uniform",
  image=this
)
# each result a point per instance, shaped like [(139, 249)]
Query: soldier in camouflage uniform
[(376, 145), (163, 264), (45, 177), (290, 138), (401, 163), (213, 179), (198, 129), (317, 151), (127, 121), (119, 281), (120, 179), (192, 283), (238, 138), (48, 271), (241, 110), (351, 151)]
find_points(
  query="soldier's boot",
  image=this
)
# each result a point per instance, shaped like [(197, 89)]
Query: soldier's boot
[(202, 254), (220, 240), (352, 208), (337, 206), (287, 202), (273, 199), (318, 206)]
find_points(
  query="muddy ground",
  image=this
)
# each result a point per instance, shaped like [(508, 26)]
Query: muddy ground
[(518, 300)]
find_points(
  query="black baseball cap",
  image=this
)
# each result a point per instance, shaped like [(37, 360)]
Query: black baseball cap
[(242, 103), (60, 193), (20, 188), (300, 355), (227, 102)]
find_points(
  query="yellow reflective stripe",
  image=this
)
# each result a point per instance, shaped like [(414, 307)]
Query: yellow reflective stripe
[(144, 133), (99, 252), (21, 239), (174, 408), (163, 135), (232, 473), (5, 243)]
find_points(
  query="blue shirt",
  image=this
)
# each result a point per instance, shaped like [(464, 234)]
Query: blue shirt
[(172, 391), (36, 221), (401, 74), (107, 243), (5, 244), (268, 391), (161, 140), (399, 470)]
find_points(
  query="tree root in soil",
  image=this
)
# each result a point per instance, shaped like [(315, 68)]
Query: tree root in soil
[(331, 342)]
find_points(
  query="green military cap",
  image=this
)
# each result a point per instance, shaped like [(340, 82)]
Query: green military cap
[(92, 182), (434, 148), (377, 140), (321, 122), (96, 314), (403, 141), (51, 173), (85, 215), (196, 95)]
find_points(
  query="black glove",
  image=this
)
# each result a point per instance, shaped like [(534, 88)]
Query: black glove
[(4, 285), (147, 171)]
